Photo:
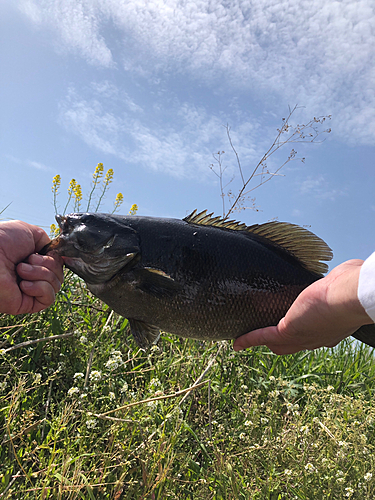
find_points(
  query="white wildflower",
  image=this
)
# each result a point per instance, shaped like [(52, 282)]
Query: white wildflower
[(78, 376), (83, 339), (330, 388), (155, 382), (112, 396), (247, 423), (37, 378), (124, 388), (272, 378), (349, 492), (264, 420), (91, 423), (305, 430), (3, 385), (95, 375), (368, 476), (112, 364), (73, 390), (242, 435), (288, 472), (310, 468)]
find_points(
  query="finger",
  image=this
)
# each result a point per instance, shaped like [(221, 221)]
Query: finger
[(42, 292), (38, 274), (52, 262), (262, 336), (282, 350)]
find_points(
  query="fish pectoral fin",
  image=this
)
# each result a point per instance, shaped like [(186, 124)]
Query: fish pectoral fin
[(156, 282), (143, 333)]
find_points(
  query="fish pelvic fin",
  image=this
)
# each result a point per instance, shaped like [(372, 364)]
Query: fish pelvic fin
[(366, 334), (304, 245), (144, 334)]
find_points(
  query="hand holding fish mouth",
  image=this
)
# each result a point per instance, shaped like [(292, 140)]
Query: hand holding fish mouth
[(28, 281), (323, 314)]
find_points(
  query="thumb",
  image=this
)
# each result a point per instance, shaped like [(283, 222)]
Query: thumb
[(40, 237), (262, 336)]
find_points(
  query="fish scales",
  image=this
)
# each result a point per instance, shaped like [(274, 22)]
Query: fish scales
[(201, 277), (227, 289)]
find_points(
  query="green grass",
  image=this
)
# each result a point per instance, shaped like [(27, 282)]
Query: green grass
[(260, 427)]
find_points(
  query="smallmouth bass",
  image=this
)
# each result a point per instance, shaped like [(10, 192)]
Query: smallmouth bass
[(201, 277)]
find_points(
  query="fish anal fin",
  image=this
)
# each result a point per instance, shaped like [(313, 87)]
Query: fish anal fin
[(144, 334), (304, 245)]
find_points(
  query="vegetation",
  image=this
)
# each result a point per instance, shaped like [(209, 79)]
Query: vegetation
[(85, 415)]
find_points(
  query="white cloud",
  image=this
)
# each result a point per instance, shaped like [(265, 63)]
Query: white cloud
[(77, 22), (181, 147), (320, 189), (29, 163), (318, 53), (39, 166)]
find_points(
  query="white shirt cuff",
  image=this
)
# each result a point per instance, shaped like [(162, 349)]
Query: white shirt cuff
[(366, 286)]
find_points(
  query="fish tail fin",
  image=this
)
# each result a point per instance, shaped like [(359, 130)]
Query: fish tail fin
[(366, 334)]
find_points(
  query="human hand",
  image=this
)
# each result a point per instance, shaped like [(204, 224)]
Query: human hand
[(322, 315), (28, 282)]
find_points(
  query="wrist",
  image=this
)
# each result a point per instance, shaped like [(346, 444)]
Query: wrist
[(342, 294)]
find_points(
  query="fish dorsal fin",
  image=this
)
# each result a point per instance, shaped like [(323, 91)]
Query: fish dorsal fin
[(304, 245)]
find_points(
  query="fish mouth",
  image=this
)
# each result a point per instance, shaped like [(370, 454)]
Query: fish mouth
[(55, 244)]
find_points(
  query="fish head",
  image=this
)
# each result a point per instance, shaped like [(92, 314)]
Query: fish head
[(95, 246)]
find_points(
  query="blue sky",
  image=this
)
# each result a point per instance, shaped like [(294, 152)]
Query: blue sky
[(147, 88)]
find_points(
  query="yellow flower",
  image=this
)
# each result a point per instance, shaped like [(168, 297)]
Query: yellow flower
[(134, 209), (72, 186), (77, 196), (108, 176), (54, 230), (56, 182), (98, 172), (118, 201)]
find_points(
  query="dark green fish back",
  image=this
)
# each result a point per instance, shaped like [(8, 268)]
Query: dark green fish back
[(304, 245)]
